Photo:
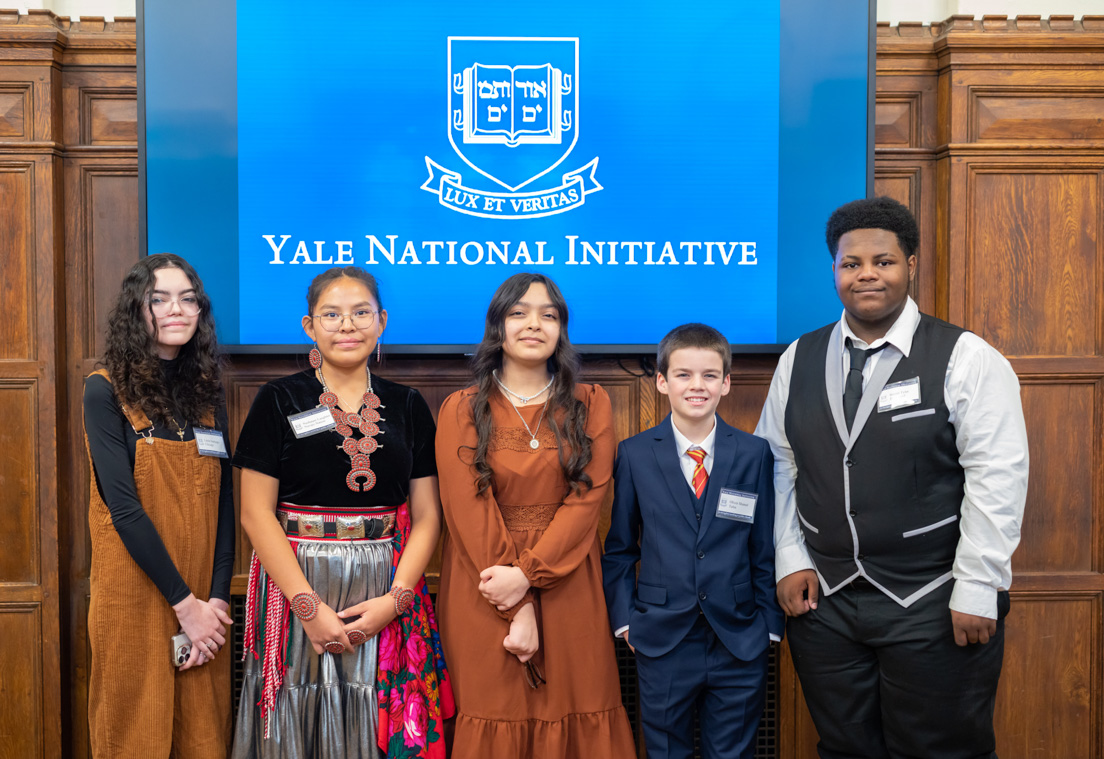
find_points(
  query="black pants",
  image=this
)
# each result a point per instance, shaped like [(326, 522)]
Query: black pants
[(882, 681)]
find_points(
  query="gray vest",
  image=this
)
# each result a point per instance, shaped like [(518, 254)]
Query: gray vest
[(883, 501)]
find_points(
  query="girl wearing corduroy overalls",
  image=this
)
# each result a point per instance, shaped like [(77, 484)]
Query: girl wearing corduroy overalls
[(161, 517)]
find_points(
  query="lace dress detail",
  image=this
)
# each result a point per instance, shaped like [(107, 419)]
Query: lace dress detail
[(521, 518), (517, 439)]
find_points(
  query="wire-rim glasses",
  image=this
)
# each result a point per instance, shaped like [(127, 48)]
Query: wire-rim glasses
[(362, 318)]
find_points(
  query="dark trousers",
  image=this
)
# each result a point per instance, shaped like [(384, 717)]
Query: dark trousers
[(700, 675), (882, 681)]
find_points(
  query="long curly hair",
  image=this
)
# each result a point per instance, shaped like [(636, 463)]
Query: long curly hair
[(131, 355), (566, 414)]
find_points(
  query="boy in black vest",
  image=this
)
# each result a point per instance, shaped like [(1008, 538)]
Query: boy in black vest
[(900, 477), (693, 506)]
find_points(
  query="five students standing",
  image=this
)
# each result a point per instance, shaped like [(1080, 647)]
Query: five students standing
[(889, 475)]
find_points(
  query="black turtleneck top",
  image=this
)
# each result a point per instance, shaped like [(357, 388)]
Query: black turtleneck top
[(112, 441)]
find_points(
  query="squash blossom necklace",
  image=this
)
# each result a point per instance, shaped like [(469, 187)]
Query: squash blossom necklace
[(366, 419)]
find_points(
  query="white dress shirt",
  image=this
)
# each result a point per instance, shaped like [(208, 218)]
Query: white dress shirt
[(982, 394), (682, 445)]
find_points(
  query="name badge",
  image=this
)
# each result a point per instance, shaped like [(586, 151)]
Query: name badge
[(210, 442), (899, 395), (307, 423), (737, 505)]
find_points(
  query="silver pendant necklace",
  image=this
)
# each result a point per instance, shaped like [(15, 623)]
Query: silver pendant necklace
[(533, 442), (524, 399)]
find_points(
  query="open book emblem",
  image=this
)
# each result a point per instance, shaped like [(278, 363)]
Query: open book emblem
[(513, 105), (513, 117)]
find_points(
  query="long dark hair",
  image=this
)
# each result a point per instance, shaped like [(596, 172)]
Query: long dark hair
[(566, 414), (131, 356)]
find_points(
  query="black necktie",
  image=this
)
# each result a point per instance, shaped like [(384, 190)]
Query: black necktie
[(853, 387)]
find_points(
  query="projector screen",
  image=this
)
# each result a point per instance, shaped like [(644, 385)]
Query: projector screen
[(664, 165)]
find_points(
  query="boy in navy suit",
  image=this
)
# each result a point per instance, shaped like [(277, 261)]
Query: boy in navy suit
[(693, 505)]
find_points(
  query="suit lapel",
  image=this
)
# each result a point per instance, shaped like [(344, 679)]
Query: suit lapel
[(724, 453), (666, 455)]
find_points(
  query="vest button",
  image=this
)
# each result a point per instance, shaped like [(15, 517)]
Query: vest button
[(850, 462), (701, 554), (854, 513), (698, 516), (861, 557), (702, 595)]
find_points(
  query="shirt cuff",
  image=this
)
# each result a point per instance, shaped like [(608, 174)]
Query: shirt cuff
[(974, 598), (775, 638), (510, 613), (620, 632), (790, 559)]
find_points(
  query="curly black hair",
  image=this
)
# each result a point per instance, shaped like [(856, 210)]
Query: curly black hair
[(567, 415), (131, 355), (873, 213)]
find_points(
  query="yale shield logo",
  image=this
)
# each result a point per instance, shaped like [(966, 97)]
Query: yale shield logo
[(513, 118)]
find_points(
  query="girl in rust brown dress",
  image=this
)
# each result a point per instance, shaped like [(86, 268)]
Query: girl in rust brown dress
[(525, 457)]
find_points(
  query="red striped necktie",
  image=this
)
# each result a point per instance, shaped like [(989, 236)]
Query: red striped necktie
[(701, 477)]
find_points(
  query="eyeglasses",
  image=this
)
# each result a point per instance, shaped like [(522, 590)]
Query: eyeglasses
[(331, 321), (161, 306)]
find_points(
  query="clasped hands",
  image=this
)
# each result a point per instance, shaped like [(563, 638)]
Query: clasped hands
[(205, 623), (799, 593), (504, 587), (369, 617)]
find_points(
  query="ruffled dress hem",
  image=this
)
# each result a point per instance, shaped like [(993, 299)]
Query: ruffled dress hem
[(580, 735)]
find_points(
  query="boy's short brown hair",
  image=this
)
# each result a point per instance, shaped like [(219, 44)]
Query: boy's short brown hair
[(693, 335)]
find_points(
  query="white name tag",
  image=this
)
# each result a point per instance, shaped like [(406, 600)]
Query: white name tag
[(735, 504), (307, 423), (210, 442), (899, 395)]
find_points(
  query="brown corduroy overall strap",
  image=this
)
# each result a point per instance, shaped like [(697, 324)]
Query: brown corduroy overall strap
[(139, 705)]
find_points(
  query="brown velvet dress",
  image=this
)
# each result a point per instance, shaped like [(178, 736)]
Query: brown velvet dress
[(528, 522)]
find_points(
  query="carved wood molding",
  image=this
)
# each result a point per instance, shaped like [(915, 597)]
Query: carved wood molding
[(42, 37), (960, 24), (46, 19)]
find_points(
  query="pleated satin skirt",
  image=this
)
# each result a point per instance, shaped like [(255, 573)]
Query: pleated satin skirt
[(326, 707)]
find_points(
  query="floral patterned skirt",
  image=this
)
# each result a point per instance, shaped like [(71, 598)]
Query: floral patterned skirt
[(326, 706)]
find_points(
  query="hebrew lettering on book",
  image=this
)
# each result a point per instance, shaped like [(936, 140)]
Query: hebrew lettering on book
[(512, 105)]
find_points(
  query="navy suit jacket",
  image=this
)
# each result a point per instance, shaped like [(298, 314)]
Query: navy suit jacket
[(721, 566)]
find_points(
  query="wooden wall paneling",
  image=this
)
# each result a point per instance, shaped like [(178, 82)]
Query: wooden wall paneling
[(1048, 702), (996, 103), (103, 107), (31, 399), (100, 215), (1061, 527), (17, 286), (20, 548), (101, 245), (22, 722), (1022, 233), (1033, 254), (1038, 114), (16, 111)]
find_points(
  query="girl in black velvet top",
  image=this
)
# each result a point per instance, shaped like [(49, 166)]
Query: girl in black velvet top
[(161, 517), (339, 498)]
